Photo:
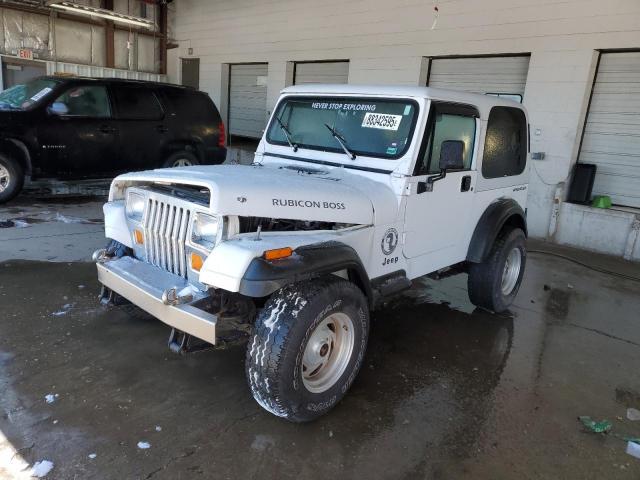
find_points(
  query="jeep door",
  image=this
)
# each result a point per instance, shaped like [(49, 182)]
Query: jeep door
[(77, 137), (438, 206), (141, 120)]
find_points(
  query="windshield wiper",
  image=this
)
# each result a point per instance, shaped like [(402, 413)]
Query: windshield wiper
[(287, 134), (341, 141)]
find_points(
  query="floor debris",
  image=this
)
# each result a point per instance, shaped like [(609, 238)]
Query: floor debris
[(633, 449), (596, 427), (92, 456), (158, 428), (144, 445), (41, 469), (50, 398), (633, 414)]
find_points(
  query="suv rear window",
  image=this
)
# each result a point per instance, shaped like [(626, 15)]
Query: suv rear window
[(135, 103), (369, 126), (505, 145)]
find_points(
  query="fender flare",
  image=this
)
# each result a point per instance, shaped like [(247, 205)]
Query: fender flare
[(504, 211), (264, 277)]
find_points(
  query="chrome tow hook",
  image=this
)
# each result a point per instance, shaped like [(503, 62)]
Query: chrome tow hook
[(100, 256)]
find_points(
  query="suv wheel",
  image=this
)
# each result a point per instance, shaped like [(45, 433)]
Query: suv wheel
[(494, 283), (181, 159), (11, 178), (307, 347)]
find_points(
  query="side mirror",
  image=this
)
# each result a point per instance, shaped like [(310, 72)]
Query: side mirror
[(452, 155), (58, 108)]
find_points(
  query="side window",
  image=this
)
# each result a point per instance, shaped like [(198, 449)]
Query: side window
[(135, 103), (447, 126), (505, 146), (86, 101)]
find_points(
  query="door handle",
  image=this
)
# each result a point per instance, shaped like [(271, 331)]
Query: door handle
[(162, 129), (107, 129), (465, 186)]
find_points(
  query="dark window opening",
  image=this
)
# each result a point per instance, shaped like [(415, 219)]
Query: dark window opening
[(505, 146)]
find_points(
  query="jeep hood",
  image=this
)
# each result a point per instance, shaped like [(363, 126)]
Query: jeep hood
[(280, 191)]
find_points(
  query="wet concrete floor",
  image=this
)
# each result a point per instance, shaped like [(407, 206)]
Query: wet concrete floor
[(446, 391)]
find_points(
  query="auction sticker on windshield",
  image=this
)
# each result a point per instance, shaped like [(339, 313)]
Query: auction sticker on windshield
[(40, 94), (383, 121)]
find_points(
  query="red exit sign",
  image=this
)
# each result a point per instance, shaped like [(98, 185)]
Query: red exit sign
[(25, 54)]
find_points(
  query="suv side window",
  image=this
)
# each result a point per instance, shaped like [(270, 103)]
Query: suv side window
[(86, 101), (447, 123), (136, 103), (505, 146)]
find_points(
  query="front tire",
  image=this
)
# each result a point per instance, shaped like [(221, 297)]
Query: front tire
[(494, 283), (11, 178), (307, 348)]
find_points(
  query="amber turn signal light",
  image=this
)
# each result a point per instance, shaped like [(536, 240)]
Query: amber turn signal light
[(278, 253), (138, 236), (196, 261)]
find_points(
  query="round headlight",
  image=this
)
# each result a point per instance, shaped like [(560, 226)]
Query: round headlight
[(135, 206), (205, 230)]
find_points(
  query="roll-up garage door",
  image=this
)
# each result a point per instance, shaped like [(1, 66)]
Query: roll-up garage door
[(505, 75), (612, 130), (248, 99), (321, 72)]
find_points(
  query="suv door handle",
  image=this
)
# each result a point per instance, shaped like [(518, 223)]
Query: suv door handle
[(107, 129), (465, 186), (162, 129)]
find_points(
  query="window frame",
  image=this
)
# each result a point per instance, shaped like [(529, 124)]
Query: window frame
[(448, 108), (338, 149), (68, 88), (524, 143), (117, 114)]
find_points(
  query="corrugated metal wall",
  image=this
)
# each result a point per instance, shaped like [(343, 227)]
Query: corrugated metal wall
[(612, 130), (506, 75), (248, 99), (321, 72)]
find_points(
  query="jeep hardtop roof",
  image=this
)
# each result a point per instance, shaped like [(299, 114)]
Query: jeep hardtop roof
[(483, 102)]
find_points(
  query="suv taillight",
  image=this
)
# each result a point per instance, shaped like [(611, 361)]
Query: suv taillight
[(222, 135)]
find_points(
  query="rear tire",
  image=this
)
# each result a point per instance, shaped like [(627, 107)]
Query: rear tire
[(11, 178), (180, 159), (307, 346), (494, 283)]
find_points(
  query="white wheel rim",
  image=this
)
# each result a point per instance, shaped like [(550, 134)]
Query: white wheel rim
[(182, 162), (511, 271), (328, 352), (5, 179)]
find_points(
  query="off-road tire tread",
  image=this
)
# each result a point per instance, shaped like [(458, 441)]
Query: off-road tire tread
[(259, 377), (18, 173), (482, 275)]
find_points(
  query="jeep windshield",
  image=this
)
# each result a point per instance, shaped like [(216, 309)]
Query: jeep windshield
[(21, 97), (370, 127)]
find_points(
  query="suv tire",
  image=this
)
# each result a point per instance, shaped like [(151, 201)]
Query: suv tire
[(307, 346), (494, 283), (11, 178), (180, 159)]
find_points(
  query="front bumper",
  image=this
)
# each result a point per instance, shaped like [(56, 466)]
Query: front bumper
[(144, 284)]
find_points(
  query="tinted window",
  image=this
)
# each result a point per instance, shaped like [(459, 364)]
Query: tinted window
[(86, 101), (447, 127), (192, 106), (505, 147), (370, 127), (135, 103), (24, 96)]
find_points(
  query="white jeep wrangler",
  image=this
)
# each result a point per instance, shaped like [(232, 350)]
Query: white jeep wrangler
[(354, 192)]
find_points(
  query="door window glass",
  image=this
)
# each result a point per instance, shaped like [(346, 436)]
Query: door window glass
[(86, 101), (505, 146), (135, 103), (447, 127)]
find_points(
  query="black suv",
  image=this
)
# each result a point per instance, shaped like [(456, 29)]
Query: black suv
[(94, 128)]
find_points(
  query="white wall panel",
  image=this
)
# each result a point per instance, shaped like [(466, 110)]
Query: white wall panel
[(73, 41)]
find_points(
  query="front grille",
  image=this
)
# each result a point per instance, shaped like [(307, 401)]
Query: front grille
[(166, 227)]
